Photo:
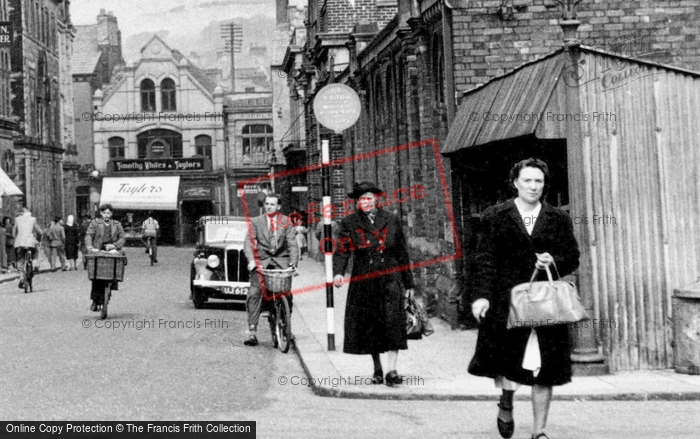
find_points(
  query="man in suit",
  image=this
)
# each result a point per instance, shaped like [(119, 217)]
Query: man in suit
[(270, 244), (103, 234)]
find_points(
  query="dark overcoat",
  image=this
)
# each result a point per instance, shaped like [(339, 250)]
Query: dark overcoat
[(506, 257), (375, 316)]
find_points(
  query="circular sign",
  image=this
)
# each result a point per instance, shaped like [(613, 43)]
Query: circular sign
[(94, 197), (157, 148), (337, 107)]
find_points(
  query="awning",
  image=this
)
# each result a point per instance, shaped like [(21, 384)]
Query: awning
[(7, 186), (506, 107), (141, 193)]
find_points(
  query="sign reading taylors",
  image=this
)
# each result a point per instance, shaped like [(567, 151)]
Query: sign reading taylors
[(141, 193), (152, 165)]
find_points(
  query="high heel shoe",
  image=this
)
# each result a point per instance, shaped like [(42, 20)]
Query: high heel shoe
[(393, 378), (540, 436), (378, 377), (505, 428)]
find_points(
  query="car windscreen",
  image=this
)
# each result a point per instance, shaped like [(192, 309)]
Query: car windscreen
[(229, 232)]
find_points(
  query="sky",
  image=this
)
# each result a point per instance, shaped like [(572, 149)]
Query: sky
[(183, 20)]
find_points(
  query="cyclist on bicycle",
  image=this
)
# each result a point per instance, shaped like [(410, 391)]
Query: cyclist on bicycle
[(103, 234), (272, 241), (151, 229), (25, 231)]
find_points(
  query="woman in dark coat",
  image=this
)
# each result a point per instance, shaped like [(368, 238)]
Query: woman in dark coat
[(9, 243), (72, 241), (375, 317), (518, 236)]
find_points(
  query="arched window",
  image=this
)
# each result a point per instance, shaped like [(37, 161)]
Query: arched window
[(167, 94), (202, 145), (116, 148), (148, 96), (257, 142)]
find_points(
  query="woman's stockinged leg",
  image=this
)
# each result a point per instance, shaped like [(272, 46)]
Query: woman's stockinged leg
[(541, 398), (392, 359), (377, 362)]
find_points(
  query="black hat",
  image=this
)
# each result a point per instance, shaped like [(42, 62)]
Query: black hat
[(362, 188)]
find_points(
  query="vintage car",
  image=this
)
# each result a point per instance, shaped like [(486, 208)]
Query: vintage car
[(219, 269)]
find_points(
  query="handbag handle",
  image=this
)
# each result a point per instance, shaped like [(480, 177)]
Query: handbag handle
[(549, 273)]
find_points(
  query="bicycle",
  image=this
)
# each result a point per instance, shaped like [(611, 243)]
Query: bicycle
[(27, 274), (149, 239), (279, 284), (108, 268)]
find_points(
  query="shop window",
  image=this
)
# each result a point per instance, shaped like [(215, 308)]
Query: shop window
[(148, 96), (202, 145), (167, 94), (116, 148), (159, 143), (257, 143)]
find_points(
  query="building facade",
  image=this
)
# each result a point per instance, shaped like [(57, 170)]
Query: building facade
[(7, 124), (162, 117), (40, 106), (97, 55)]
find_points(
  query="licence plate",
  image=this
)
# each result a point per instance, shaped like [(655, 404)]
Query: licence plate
[(236, 290)]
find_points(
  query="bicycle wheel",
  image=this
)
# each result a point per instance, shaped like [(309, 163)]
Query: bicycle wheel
[(283, 324), (105, 300), (30, 276), (150, 250), (25, 282)]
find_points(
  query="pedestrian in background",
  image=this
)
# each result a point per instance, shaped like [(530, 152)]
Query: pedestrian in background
[(519, 236), (72, 241), (3, 250), (82, 231), (375, 314), (9, 243), (58, 244), (301, 231), (45, 244)]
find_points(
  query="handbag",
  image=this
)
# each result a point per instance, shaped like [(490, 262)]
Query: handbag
[(550, 302), (417, 321)]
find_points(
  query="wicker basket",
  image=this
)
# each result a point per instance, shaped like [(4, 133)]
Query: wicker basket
[(278, 281), (103, 266)]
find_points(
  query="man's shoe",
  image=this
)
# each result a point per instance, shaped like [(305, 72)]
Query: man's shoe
[(65, 268), (93, 307), (155, 261), (21, 285), (252, 340)]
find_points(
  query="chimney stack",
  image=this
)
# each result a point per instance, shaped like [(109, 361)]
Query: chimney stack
[(568, 22)]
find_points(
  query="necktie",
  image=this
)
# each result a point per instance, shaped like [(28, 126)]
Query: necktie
[(273, 234), (371, 216)]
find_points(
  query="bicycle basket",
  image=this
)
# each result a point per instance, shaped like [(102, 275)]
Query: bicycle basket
[(278, 281), (106, 267)]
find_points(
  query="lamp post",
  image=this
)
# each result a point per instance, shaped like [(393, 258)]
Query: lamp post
[(94, 195)]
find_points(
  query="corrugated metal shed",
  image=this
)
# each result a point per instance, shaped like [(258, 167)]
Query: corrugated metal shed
[(634, 180)]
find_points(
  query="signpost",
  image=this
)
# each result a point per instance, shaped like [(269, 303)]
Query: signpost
[(336, 107)]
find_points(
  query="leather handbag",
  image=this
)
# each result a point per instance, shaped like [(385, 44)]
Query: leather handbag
[(417, 321), (534, 304)]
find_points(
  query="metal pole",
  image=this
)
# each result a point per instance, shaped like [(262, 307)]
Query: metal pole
[(327, 242)]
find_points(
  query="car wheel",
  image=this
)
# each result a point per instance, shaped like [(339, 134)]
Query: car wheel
[(199, 298), (193, 273)]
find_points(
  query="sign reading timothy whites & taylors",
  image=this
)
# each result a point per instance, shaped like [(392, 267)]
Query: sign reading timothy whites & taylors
[(155, 165), (141, 193)]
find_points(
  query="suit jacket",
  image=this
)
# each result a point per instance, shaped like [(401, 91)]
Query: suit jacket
[(25, 231), (258, 242), (96, 234)]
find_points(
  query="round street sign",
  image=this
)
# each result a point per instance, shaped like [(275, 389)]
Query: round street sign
[(337, 107)]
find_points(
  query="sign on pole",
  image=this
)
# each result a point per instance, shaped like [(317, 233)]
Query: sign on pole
[(336, 107)]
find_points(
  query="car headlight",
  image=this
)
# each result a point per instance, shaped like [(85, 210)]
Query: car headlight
[(213, 261)]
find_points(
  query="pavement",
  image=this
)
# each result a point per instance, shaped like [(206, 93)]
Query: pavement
[(435, 367)]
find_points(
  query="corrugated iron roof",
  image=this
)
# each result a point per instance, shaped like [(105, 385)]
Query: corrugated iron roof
[(523, 91), (515, 96)]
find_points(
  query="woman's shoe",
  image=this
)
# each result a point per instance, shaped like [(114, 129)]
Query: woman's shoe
[(378, 377), (540, 436), (393, 379), (506, 429)]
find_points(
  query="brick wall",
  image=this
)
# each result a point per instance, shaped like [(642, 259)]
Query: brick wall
[(487, 45)]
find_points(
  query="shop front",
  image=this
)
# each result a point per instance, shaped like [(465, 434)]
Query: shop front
[(133, 197)]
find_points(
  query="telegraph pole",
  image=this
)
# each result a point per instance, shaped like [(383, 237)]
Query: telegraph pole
[(232, 33)]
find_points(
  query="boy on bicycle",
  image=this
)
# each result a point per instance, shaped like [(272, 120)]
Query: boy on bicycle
[(103, 234), (151, 230)]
